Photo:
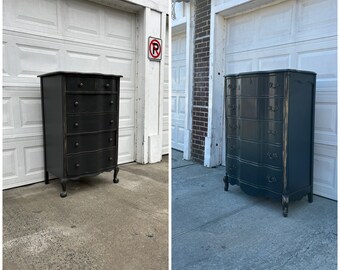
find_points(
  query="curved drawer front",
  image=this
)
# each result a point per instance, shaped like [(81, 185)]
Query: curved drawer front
[(257, 86), (78, 103), (261, 153), (232, 106), (91, 122), (262, 131), (256, 175), (91, 142), (260, 108), (83, 83), (91, 162)]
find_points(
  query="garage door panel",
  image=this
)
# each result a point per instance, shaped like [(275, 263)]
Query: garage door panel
[(43, 17), (22, 112), (325, 171), (81, 19), (81, 60), (316, 18), (326, 119), (23, 162), (125, 141), (274, 62), (126, 109)]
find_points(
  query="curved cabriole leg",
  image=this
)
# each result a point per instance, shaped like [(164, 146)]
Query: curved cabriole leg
[(310, 197), (47, 181), (63, 194), (115, 179), (226, 183), (285, 202)]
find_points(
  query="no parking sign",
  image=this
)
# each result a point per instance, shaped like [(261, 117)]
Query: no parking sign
[(155, 49)]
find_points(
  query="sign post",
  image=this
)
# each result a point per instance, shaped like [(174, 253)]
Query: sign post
[(155, 49)]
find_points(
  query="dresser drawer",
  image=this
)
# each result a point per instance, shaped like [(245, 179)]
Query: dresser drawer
[(263, 177), (257, 86), (88, 84), (91, 162), (260, 108), (91, 122), (90, 142), (231, 106), (262, 131), (77, 103)]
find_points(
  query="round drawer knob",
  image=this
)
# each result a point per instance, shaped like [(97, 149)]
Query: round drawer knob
[(110, 158), (77, 165), (111, 121), (107, 85), (110, 139), (76, 103), (81, 84), (111, 102), (76, 124), (76, 144)]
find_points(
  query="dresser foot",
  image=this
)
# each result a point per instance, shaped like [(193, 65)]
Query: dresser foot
[(115, 179), (285, 202), (310, 197), (63, 194), (47, 181), (226, 183)]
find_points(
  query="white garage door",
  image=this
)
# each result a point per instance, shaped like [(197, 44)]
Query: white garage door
[(47, 35), (178, 91), (299, 35)]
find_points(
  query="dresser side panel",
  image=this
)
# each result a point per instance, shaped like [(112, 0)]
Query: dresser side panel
[(52, 87), (300, 131)]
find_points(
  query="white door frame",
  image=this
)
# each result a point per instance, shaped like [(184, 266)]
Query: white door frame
[(186, 25)]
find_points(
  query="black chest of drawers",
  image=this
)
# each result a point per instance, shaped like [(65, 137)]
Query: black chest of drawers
[(80, 124), (269, 120)]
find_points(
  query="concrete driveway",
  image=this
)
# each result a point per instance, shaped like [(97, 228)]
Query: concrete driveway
[(99, 225), (214, 229)]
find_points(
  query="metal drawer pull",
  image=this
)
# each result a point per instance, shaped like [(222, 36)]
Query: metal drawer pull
[(77, 165), (272, 132), (272, 85), (271, 179), (110, 158), (111, 121), (76, 103), (232, 147), (107, 85), (110, 139), (81, 84), (272, 155), (111, 102), (76, 124), (273, 108), (76, 144)]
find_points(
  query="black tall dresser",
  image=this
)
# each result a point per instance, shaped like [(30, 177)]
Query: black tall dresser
[(269, 120), (80, 124)]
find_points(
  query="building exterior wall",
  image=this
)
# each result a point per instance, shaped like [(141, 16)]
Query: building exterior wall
[(200, 78)]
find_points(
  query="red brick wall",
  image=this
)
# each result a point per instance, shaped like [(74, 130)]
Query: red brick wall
[(201, 79)]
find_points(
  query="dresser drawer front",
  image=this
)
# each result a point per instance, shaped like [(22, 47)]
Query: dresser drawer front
[(88, 84), (260, 108), (91, 122), (260, 86), (232, 106), (91, 142), (261, 153), (230, 84), (91, 162), (78, 103), (262, 131), (262, 177)]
